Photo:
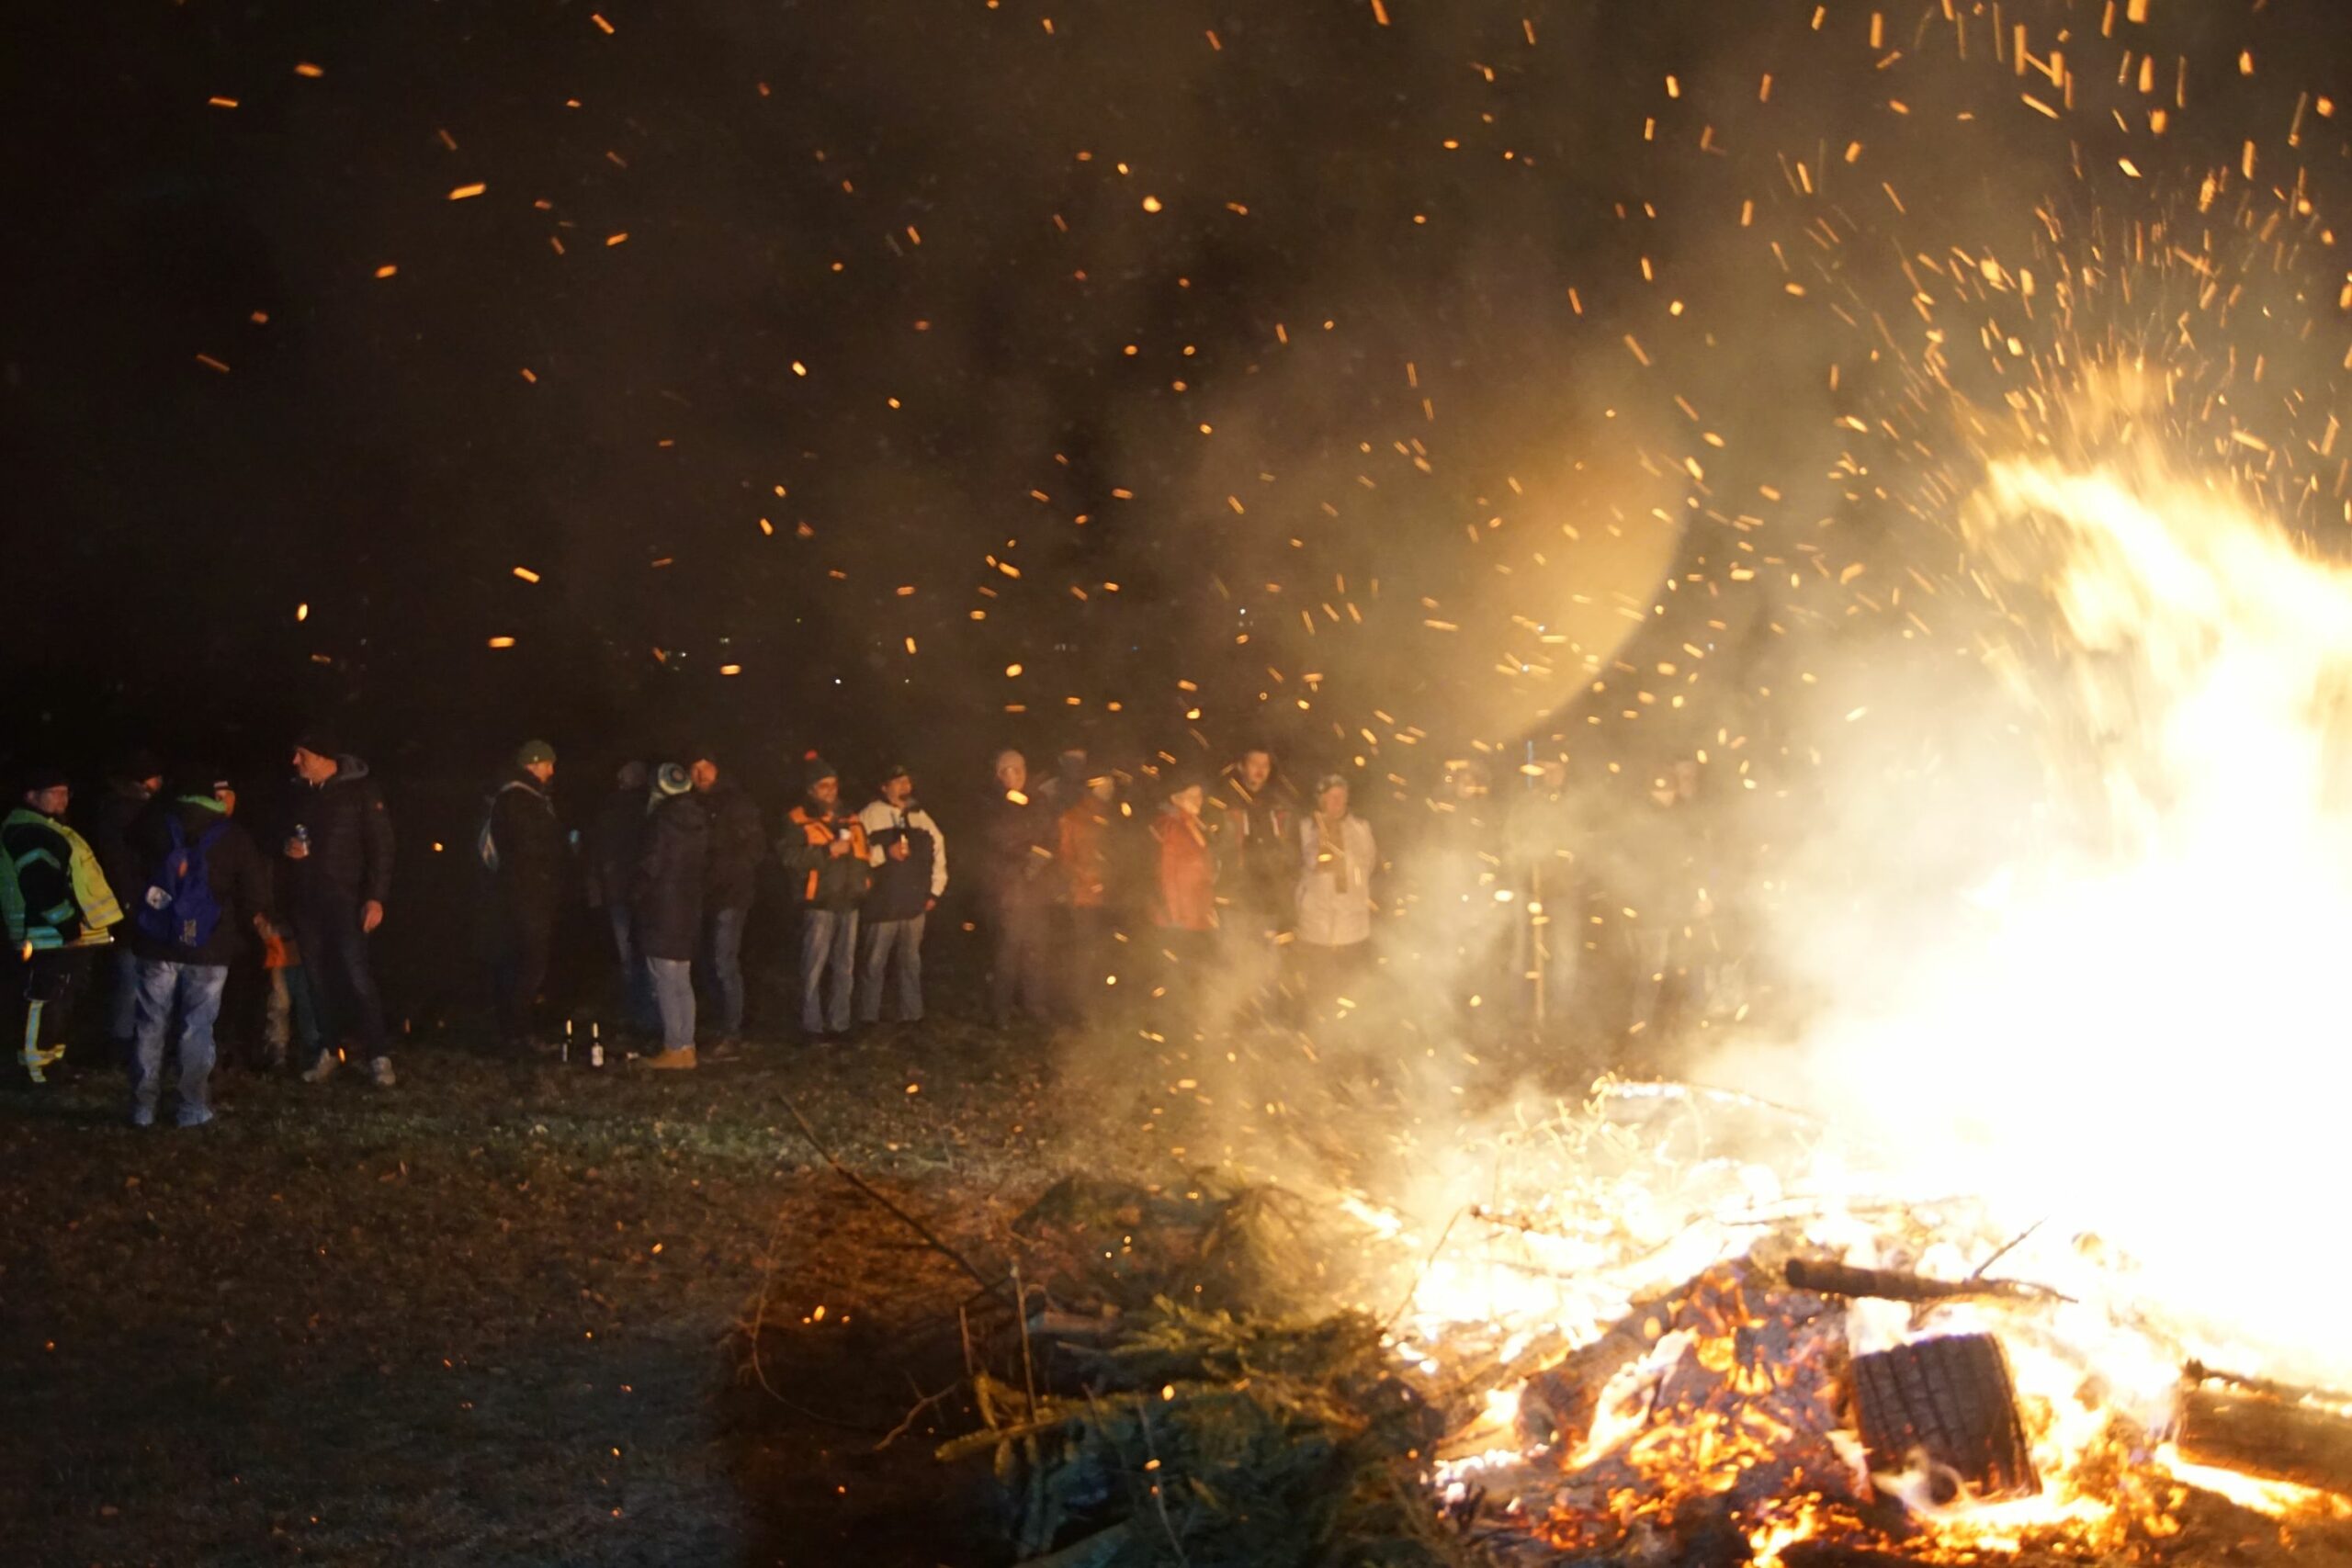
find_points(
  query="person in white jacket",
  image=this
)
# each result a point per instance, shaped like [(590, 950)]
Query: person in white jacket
[(1336, 860), (909, 858)]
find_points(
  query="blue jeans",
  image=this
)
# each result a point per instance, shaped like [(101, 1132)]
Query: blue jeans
[(887, 940), (674, 994), (726, 968), (192, 991), (828, 961), (637, 981)]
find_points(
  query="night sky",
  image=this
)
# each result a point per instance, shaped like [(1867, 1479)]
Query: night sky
[(1394, 339)]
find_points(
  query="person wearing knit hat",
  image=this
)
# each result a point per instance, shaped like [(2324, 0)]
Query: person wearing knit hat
[(522, 853), (334, 877), (666, 912), (203, 889), (909, 857), (825, 849), (57, 905)]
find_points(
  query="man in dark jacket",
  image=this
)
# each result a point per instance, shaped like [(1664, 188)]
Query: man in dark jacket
[(616, 844), (824, 848), (201, 886), (738, 844), (1017, 838), (667, 896), (1259, 842), (55, 907), (522, 850), (131, 784), (909, 860), (337, 875)]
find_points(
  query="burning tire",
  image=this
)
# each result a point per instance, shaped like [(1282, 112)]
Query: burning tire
[(1947, 1407)]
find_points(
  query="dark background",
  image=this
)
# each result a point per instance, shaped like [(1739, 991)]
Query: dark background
[(1395, 268)]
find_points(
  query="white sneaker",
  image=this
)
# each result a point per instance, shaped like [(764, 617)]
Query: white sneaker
[(321, 1069), (379, 1072)]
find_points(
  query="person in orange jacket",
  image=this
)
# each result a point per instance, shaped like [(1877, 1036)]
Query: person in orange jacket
[(825, 849)]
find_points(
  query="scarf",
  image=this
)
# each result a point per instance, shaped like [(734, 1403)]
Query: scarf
[(1331, 850), (91, 898)]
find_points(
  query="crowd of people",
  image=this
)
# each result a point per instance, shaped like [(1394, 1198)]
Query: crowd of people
[(1234, 880)]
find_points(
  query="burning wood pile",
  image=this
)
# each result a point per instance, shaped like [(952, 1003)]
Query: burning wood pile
[(1672, 1352)]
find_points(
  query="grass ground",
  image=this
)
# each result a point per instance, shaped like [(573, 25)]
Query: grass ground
[(491, 1315)]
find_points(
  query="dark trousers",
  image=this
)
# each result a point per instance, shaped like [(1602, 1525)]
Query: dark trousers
[(334, 952), (51, 977), (1188, 964), (1018, 975), (1092, 956), (518, 971)]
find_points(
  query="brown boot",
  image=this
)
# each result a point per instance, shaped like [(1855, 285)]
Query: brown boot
[(684, 1056)]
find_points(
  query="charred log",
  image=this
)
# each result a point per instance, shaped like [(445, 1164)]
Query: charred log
[(2273, 1438), (1826, 1279), (1949, 1403)]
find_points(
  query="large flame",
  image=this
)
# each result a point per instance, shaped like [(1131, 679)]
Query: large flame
[(2139, 1036), (2114, 1061)]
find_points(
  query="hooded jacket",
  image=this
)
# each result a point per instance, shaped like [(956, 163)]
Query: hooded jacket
[(738, 844), (901, 888), (673, 875), (827, 881), (351, 842), (529, 844), (233, 867)]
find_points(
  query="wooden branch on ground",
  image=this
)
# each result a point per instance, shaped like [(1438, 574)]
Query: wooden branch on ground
[(922, 1404), (2198, 1372), (2274, 1439), (987, 1286), (1826, 1279)]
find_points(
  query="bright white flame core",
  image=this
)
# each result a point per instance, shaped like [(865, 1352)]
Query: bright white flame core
[(2143, 1034)]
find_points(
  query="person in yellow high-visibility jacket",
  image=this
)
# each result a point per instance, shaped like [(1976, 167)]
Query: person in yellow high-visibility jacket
[(57, 906)]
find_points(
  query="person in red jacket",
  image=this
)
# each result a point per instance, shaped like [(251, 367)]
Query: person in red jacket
[(1184, 907)]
